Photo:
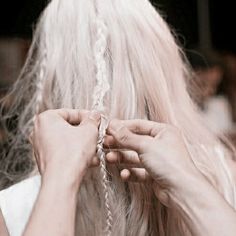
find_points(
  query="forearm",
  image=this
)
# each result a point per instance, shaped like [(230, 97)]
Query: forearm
[(54, 211), (203, 209)]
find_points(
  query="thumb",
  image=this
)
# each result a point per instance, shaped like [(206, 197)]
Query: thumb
[(126, 139)]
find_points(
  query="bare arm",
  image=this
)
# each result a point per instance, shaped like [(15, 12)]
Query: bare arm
[(204, 210), (3, 227), (55, 208), (63, 153)]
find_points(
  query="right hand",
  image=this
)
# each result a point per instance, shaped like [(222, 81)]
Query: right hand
[(64, 142)]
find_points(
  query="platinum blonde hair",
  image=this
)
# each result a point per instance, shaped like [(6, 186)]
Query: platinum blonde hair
[(142, 73)]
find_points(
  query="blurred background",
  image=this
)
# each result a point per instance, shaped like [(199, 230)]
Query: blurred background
[(205, 28)]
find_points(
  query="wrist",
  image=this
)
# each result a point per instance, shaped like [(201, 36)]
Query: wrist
[(186, 179), (199, 204), (192, 193), (64, 179), (68, 173)]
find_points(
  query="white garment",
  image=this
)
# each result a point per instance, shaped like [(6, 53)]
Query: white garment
[(16, 204), (218, 115)]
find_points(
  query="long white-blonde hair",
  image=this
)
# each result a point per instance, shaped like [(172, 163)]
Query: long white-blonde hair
[(147, 78)]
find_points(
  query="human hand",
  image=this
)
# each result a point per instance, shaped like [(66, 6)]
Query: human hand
[(64, 143), (158, 150)]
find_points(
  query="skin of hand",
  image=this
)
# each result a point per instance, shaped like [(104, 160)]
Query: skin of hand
[(64, 143), (156, 152)]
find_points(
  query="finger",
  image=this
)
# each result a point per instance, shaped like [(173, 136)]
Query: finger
[(91, 119), (126, 139), (109, 141), (143, 127), (135, 175), (110, 144), (95, 161), (123, 157), (72, 116)]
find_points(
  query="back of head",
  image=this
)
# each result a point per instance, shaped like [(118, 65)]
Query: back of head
[(128, 43), (143, 62)]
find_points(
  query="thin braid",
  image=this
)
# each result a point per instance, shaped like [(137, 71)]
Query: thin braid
[(39, 82), (103, 85), (100, 90), (105, 182)]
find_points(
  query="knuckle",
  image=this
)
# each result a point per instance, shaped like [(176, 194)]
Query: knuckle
[(154, 130), (114, 123), (122, 135), (137, 129)]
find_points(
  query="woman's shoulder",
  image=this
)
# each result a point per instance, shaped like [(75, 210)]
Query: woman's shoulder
[(16, 203)]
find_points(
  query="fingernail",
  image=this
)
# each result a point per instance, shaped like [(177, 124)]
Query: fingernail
[(95, 115)]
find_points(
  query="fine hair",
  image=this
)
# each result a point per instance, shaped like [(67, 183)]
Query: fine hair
[(121, 58)]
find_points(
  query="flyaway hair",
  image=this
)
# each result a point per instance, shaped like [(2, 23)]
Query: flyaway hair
[(119, 57)]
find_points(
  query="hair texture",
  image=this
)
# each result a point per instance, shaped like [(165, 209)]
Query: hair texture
[(100, 91), (105, 181), (123, 51)]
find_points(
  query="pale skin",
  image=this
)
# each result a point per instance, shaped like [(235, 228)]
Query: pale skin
[(157, 154)]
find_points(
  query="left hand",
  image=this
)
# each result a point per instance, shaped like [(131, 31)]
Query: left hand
[(156, 153)]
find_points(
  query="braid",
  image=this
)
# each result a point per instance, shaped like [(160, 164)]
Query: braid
[(39, 87), (101, 74), (100, 91), (39, 82), (105, 182)]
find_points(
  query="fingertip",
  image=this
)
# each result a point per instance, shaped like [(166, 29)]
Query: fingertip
[(109, 141), (125, 174), (95, 161), (111, 157)]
